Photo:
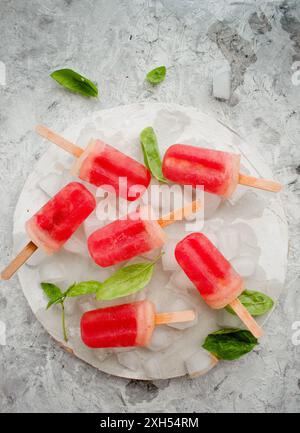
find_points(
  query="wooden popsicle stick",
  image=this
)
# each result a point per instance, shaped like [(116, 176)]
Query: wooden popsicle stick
[(246, 318), (175, 317), (179, 214), (18, 261), (267, 185), (59, 141)]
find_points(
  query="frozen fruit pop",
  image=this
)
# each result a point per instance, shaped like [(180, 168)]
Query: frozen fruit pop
[(55, 223), (123, 239), (58, 219), (104, 166), (137, 234), (126, 325), (217, 171), (214, 277)]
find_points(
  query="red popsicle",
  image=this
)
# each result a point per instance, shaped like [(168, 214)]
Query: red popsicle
[(54, 223), (217, 171), (218, 283), (104, 166), (126, 325)]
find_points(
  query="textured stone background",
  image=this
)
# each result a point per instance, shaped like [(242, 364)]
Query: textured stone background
[(115, 43)]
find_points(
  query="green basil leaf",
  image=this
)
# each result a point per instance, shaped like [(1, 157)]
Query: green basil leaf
[(157, 75), (83, 288), (151, 153), (51, 291), (257, 303), (75, 82), (230, 343), (125, 281)]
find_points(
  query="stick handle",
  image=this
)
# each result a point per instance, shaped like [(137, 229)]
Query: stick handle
[(59, 141), (175, 317), (18, 261), (267, 185), (179, 214), (246, 318)]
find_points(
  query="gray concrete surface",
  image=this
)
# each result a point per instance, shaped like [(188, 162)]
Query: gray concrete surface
[(115, 43)]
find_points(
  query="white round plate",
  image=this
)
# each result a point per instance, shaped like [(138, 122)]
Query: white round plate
[(250, 229)]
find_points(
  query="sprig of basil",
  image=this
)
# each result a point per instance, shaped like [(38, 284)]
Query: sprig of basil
[(55, 296), (257, 303), (157, 75), (230, 343), (151, 153), (123, 282), (75, 82)]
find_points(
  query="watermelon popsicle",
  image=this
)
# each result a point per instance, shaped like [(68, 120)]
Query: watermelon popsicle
[(104, 166), (55, 223), (214, 277), (126, 325), (217, 171), (137, 234)]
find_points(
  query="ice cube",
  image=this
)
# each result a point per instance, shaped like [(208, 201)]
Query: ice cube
[(130, 360), (91, 224), (162, 337), (200, 363), (181, 280), (52, 271), (50, 184), (102, 354), (70, 305), (227, 320), (85, 305), (153, 369), (244, 265), (211, 204), (169, 261), (76, 245), (175, 231), (37, 258), (237, 195), (222, 82), (228, 242)]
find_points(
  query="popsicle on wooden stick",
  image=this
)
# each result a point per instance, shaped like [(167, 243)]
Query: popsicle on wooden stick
[(104, 166), (126, 325), (137, 234), (217, 171), (54, 223), (214, 277)]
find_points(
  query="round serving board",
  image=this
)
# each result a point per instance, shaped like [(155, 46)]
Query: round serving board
[(250, 229)]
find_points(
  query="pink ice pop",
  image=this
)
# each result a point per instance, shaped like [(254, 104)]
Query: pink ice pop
[(58, 219), (119, 326), (126, 325), (123, 239), (104, 166), (214, 277), (217, 171)]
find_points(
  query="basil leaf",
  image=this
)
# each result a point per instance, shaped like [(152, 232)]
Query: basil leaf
[(151, 153), (75, 82), (125, 281), (257, 303), (157, 75), (83, 288), (52, 291), (230, 343)]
